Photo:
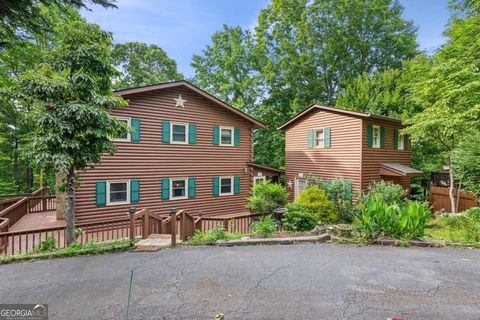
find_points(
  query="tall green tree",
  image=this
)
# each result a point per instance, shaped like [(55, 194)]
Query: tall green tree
[(227, 68), (21, 18), (140, 64), (303, 52), (450, 93), (70, 97)]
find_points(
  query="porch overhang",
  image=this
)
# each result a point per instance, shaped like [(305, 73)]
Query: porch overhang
[(398, 170)]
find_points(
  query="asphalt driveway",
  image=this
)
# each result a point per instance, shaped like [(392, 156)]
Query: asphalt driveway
[(309, 281)]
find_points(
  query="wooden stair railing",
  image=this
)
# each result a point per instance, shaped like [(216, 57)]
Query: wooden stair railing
[(153, 223)]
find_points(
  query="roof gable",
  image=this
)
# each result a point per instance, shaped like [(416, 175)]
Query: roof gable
[(161, 86), (350, 113)]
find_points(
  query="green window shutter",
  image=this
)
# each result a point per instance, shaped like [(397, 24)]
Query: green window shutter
[(405, 142), (192, 133), (382, 137), (191, 187), (216, 186), (327, 132), (134, 191), (236, 137), (236, 185), (310, 138), (101, 193), (166, 131), (165, 189), (136, 129), (216, 135), (370, 135), (395, 139)]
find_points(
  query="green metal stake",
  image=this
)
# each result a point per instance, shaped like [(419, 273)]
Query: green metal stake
[(129, 294)]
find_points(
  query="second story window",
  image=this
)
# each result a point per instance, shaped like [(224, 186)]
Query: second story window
[(401, 142), (376, 136), (179, 133), (127, 136), (226, 136), (319, 138)]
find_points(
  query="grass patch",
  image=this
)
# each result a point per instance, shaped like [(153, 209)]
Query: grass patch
[(76, 249), (210, 237), (459, 228)]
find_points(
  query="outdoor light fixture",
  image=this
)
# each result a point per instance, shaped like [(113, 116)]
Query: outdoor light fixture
[(173, 210), (245, 169), (132, 211), (200, 213)]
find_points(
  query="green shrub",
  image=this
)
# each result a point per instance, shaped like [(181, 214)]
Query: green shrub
[(298, 219), (314, 200), (49, 244), (473, 213), (266, 197), (378, 218), (391, 193), (265, 227), (210, 237), (339, 192)]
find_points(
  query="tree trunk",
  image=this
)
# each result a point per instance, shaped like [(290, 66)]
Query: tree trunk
[(458, 196), (451, 188), (61, 197), (29, 179), (70, 216)]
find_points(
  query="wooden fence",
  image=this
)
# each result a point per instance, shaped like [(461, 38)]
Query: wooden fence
[(440, 200), (143, 223)]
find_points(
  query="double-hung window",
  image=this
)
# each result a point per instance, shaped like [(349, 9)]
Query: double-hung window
[(300, 185), (226, 186), (319, 138), (226, 136), (118, 192), (376, 136), (178, 188), (126, 137), (179, 133), (401, 142)]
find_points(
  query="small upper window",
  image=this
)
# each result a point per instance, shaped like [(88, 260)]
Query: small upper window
[(319, 138), (226, 136), (178, 188), (401, 142), (376, 136), (127, 136), (226, 185), (118, 192), (179, 133)]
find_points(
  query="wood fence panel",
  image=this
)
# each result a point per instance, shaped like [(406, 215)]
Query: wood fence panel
[(440, 200)]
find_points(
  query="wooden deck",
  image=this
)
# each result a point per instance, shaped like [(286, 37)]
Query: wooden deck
[(38, 220)]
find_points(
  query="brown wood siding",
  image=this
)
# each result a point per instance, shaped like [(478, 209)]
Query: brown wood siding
[(342, 160), (150, 160), (373, 157)]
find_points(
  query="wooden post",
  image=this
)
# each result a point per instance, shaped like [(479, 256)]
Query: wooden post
[(132, 228), (225, 224), (182, 225), (173, 228), (146, 226)]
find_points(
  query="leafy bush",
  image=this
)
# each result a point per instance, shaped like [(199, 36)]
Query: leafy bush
[(49, 244), (265, 227), (266, 197), (210, 237), (378, 218), (391, 193), (339, 192), (473, 213), (298, 219), (463, 227), (314, 200)]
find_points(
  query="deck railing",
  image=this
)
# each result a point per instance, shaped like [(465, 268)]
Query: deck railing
[(144, 223)]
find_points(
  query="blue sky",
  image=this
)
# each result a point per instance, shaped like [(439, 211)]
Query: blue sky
[(183, 27)]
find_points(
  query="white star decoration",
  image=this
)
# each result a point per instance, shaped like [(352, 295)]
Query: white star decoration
[(290, 184), (179, 102)]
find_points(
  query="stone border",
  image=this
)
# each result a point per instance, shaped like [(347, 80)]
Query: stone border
[(263, 241)]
